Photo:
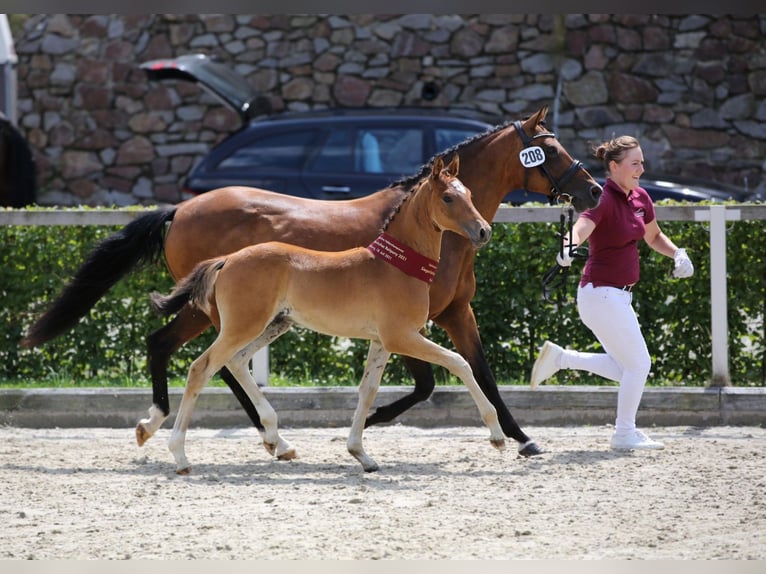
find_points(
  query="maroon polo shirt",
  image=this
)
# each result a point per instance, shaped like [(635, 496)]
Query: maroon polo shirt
[(613, 246)]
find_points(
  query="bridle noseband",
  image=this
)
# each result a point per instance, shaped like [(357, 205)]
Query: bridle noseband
[(557, 189)]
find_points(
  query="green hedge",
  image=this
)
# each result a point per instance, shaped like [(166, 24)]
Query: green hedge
[(109, 345)]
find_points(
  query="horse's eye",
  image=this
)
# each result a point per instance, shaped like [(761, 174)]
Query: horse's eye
[(447, 199), (551, 151)]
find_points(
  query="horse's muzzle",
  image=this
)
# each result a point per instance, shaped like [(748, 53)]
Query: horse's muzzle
[(589, 200), (481, 236)]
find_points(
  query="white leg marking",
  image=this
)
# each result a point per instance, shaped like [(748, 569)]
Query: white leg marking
[(146, 428), (377, 357)]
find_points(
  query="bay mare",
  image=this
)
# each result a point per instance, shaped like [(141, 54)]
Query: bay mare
[(227, 219), (379, 293)]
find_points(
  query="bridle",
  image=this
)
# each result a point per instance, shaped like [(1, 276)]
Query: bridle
[(532, 156), (536, 158)]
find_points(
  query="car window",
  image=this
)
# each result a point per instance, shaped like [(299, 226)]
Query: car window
[(283, 151), (335, 155), (449, 137), (370, 150), (389, 150)]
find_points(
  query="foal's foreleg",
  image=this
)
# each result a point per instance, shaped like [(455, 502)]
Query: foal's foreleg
[(377, 357), (427, 350)]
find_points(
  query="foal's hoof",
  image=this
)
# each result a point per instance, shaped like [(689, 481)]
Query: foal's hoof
[(142, 435), (288, 455), (184, 471), (529, 448), (498, 443)]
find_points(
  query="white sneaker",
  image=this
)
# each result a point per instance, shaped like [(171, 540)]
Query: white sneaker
[(635, 440), (547, 363)]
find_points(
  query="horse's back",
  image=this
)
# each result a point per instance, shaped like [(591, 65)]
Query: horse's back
[(228, 219)]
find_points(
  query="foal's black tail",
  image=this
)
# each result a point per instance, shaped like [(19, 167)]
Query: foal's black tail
[(140, 241)]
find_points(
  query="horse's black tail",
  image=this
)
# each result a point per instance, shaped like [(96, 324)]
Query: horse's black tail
[(196, 288), (140, 241)]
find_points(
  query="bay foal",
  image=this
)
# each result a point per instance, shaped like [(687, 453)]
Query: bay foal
[(379, 292)]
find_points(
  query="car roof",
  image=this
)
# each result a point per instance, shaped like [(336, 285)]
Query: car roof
[(415, 114)]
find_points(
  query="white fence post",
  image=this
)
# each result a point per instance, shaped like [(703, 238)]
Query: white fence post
[(719, 323), (260, 366)]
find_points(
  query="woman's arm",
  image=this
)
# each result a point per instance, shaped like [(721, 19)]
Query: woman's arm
[(658, 241)]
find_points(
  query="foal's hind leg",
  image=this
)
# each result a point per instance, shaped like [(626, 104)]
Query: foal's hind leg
[(200, 372), (272, 441), (377, 357)]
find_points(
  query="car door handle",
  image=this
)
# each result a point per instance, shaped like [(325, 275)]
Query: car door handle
[(336, 188)]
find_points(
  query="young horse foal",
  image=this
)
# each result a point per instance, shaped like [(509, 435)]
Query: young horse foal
[(380, 293)]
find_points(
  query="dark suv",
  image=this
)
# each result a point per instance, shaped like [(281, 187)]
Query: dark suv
[(326, 154)]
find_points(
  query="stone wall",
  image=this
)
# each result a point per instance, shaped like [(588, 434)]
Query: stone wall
[(691, 87)]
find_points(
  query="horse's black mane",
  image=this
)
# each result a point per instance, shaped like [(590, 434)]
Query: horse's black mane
[(410, 181)]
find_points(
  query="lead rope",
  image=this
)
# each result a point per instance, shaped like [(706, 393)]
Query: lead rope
[(557, 275)]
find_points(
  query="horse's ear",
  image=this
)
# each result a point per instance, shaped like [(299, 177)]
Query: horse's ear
[(437, 167), (541, 113), (454, 165)]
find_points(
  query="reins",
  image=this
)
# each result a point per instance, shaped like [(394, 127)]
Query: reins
[(557, 275), (534, 156)]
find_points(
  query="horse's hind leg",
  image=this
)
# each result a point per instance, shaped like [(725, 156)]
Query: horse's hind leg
[(377, 357), (161, 344), (423, 374)]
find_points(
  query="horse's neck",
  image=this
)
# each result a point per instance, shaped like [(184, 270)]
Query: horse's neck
[(489, 167), (413, 226)]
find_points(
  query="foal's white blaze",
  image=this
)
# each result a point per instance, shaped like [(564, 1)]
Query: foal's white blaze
[(458, 185)]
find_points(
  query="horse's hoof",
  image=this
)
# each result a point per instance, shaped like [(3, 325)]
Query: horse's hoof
[(371, 467), (270, 447), (288, 455), (498, 443), (529, 448), (184, 471), (142, 435)]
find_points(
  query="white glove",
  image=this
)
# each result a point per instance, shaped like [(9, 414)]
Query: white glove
[(683, 265), (565, 260)]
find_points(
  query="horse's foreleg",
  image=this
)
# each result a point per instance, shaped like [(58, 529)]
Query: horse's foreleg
[(418, 346), (377, 357), (423, 374), (460, 324), (161, 344)]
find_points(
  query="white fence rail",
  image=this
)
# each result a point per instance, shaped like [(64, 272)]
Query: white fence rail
[(715, 215)]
